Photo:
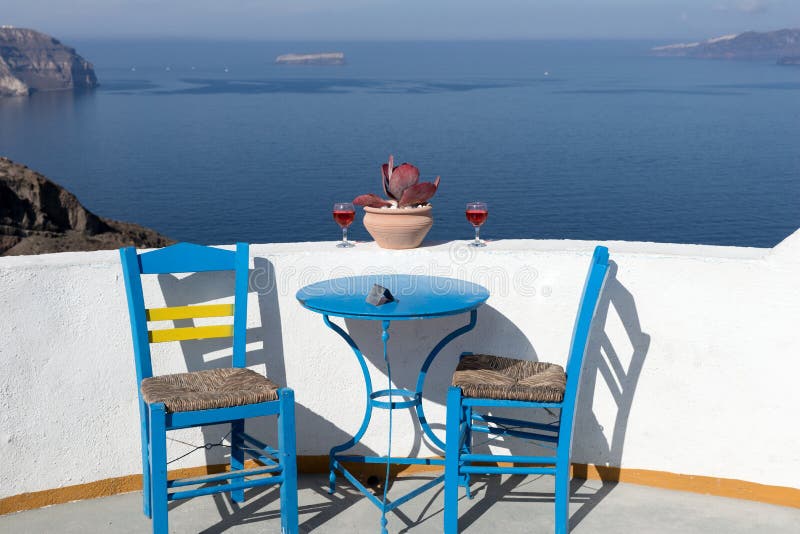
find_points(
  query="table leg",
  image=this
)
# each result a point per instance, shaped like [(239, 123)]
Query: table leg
[(473, 319), (385, 339), (373, 401), (368, 409)]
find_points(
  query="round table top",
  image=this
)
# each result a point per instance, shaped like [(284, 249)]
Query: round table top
[(416, 297)]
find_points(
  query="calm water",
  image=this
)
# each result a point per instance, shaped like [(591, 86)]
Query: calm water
[(612, 144)]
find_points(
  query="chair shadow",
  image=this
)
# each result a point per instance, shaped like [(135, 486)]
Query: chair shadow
[(602, 364), (203, 354), (312, 516), (620, 372), (199, 355)]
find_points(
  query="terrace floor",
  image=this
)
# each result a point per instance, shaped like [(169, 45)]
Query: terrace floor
[(507, 504)]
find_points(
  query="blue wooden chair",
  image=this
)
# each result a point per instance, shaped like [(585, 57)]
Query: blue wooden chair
[(486, 381), (226, 395)]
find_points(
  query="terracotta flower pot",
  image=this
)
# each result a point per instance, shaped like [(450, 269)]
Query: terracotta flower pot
[(398, 228)]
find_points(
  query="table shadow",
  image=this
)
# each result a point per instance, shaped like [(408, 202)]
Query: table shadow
[(492, 329)]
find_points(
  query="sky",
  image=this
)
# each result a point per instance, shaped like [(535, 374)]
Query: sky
[(399, 19)]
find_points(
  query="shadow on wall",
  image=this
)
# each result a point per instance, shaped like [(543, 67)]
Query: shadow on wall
[(271, 334), (615, 325), (200, 354), (615, 360), (214, 353), (493, 329), (605, 363), (615, 356)]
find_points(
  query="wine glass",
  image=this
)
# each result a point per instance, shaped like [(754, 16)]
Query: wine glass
[(477, 212), (344, 213)]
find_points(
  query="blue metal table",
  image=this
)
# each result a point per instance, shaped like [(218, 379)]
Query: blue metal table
[(416, 297)]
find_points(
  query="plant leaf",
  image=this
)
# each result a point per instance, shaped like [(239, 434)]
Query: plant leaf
[(371, 200), (385, 180), (402, 177), (386, 173), (418, 194)]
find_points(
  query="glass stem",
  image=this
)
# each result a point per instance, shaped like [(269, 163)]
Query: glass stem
[(477, 234), (344, 234)]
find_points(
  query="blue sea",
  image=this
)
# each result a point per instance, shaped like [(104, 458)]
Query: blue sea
[(212, 142)]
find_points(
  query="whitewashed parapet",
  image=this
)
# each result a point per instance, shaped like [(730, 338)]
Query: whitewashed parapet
[(692, 367)]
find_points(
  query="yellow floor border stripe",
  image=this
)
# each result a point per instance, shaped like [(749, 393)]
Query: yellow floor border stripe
[(721, 487)]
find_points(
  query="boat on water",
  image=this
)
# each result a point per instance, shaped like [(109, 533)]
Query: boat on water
[(324, 58)]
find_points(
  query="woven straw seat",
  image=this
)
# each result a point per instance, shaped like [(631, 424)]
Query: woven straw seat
[(206, 390), (485, 376)]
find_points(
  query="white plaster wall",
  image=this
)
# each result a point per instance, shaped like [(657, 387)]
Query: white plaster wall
[(692, 366)]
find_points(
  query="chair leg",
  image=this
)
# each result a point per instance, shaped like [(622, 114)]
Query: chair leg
[(237, 457), (145, 431), (158, 468), (464, 480), (288, 446), (452, 459), (562, 483)]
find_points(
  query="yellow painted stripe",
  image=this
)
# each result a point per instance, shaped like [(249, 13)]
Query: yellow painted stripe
[(189, 312), (192, 332), (720, 487), (723, 487)]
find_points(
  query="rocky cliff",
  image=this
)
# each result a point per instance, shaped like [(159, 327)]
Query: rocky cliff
[(32, 61), (748, 45), (38, 216)]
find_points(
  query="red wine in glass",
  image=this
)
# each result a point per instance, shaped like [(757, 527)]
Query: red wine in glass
[(477, 212), (477, 217), (344, 218), (344, 213)]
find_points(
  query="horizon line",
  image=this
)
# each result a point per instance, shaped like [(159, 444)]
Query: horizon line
[(363, 40)]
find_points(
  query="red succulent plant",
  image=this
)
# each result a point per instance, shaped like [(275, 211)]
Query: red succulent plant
[(401, 184)]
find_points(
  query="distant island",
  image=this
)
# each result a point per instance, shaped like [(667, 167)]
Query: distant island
[(32, 61), (38, 216), (749, 45), (325, 58), (789, 60)]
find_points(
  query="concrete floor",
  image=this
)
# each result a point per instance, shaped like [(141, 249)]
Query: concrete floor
[(507, 504)]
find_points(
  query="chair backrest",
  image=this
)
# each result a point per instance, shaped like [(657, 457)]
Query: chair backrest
[(583, 322), (184, 258)]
